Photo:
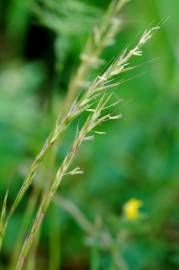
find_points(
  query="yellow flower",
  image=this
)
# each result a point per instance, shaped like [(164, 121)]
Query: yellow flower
[(131, 209)]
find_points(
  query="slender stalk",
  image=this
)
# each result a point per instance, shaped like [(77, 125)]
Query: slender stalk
[(117, 259), (54, 238), (96, 89), (31, 263), (90, 123), (74, 211), (24, 226), (59, 129), (95, 257), (30, 209), (2, 218), (102, 37)]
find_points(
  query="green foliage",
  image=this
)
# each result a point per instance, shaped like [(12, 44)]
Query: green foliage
[(66, 17), (138, 158)]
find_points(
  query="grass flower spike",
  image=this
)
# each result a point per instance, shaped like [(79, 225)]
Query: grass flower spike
[(79, 189), (95, 100)]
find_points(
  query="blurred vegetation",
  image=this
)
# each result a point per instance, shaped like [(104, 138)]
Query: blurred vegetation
[(40, 45)]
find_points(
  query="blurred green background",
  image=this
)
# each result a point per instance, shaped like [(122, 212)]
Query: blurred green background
[(139, 156)]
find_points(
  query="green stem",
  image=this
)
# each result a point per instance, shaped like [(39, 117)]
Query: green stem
[(95, 257)]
